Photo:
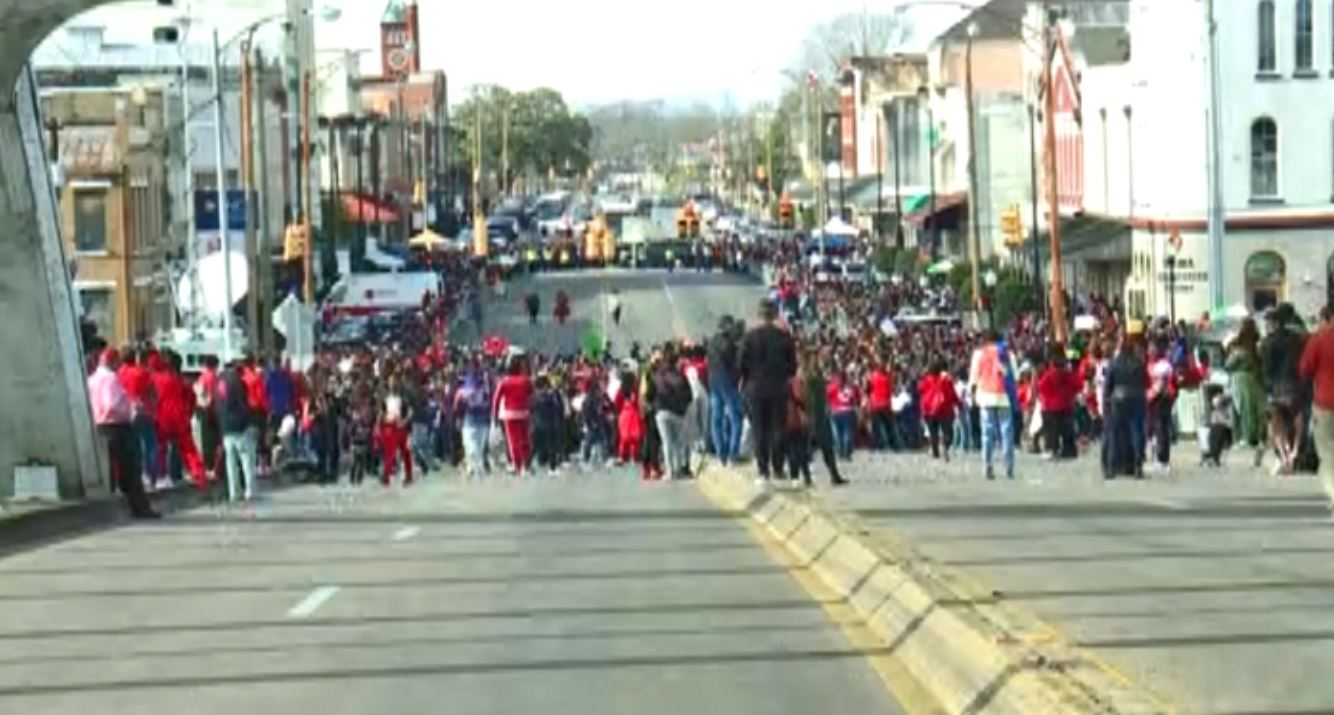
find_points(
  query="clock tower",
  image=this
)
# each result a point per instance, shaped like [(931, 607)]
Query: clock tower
[(400, 46)]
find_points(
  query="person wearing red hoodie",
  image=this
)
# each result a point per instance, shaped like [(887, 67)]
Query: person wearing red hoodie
[(176, 403), (512, 409), (879, 403), (1057, 388), (135, 379), (939, 402)]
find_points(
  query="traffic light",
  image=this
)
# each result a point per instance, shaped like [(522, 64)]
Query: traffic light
[(1012, 226), (294, 242), (682, 227)]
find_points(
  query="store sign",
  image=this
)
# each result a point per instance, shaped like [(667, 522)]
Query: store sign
[(1186, 276)]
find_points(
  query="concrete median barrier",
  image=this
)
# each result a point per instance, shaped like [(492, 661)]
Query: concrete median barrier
[(973, 654)]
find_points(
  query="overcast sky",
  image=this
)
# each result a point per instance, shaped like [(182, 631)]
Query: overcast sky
[(593, 51)]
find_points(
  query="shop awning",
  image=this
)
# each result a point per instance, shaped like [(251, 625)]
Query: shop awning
[(920, 212), (1088, 238), (361, 208), (865, 198)]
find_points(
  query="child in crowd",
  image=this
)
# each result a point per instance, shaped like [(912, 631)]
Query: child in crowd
[(1220, 424)]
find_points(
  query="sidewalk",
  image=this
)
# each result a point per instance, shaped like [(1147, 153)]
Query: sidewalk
[(27, 524), (1207, 590)]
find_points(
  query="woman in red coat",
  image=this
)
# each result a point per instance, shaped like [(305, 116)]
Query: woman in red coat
[(176, 404), (939, 403), (512, 406)]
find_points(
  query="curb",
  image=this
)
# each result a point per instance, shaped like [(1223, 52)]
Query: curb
[(973, 654)]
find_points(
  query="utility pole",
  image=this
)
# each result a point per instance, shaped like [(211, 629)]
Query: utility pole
[(335, 189), (303, 170), (191, 239), (248, 188), (1053, 197), (227, 348), (1033, 170), (264, 281), (505, 148), (898, 177), (1217, 222), (879, 177), (974, 240)]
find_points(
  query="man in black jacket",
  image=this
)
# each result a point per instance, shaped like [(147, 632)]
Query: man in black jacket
[(768, 359)]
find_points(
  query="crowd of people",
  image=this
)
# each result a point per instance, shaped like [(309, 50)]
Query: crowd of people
[(838, 367)]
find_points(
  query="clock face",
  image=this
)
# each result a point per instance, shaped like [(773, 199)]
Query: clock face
[(397, 58)]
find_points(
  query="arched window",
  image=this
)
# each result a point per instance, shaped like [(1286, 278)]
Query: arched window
[(1303, 41), (1264, 158), (1268, 50), (1266, 280)]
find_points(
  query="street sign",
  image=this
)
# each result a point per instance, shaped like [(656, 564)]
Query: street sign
[(206, 210)]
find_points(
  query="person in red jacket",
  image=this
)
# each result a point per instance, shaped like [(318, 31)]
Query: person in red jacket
[(1317, 365), (1057, 388), (176, 404), (512, 407), (939, 402), (137, 382), (879, 405)]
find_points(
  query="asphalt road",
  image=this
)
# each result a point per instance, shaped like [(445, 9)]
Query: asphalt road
[(581, 594), (657, 305), (1212, 588)]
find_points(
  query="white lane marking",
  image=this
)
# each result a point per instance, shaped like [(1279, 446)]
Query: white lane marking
[(1164, 503), (312, 602), (678, 325), (406, 533)]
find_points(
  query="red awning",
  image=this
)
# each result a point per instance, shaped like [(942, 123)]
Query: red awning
[(365, 209), (944, 202)]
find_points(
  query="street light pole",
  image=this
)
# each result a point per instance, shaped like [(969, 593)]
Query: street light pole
[(222, 201), (1033, 171), (974, 241), (895, 129)]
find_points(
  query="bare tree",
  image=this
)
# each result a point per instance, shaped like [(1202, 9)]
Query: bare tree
[(859, 33)]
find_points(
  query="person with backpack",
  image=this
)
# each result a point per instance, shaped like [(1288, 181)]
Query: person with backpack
[(992, 374), (670, 396)]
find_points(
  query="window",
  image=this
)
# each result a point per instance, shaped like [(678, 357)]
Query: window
[(1264, 158), (1302, 37), (1268, 53), (99, 308), (90, 220)]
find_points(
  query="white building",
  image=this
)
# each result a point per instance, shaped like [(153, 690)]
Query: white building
[(1277, 145)]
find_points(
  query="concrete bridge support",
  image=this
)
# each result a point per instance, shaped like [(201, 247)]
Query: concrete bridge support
[(44, 413)]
